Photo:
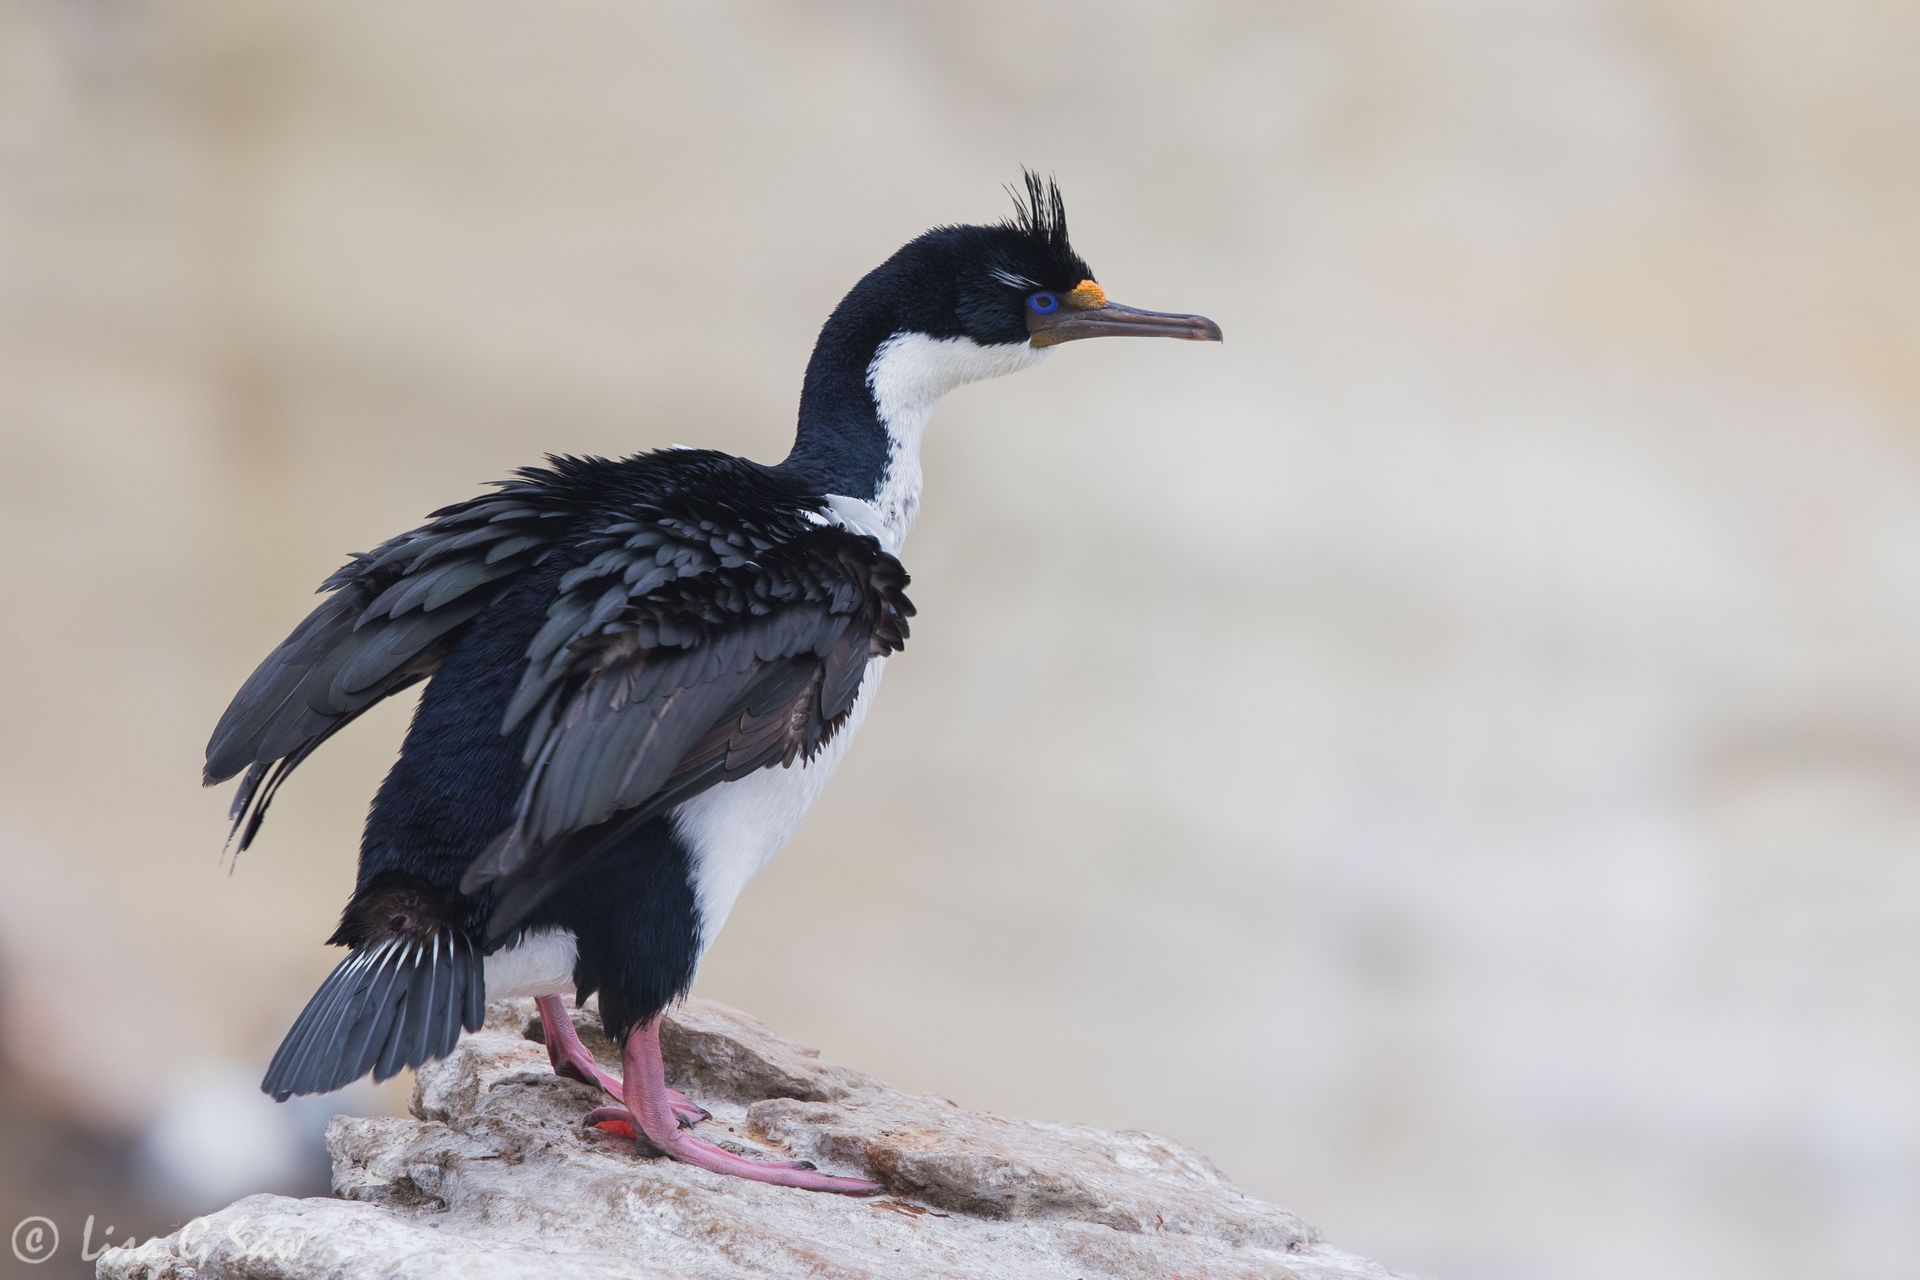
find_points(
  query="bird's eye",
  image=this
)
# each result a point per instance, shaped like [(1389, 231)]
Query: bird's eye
[(1042, 303)]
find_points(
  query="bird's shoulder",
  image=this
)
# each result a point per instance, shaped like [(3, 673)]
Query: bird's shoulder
[(687, 550)]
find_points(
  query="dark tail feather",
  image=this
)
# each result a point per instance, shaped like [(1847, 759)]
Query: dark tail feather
[(394, 1003)]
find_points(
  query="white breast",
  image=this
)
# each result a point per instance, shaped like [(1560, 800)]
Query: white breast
[(734, 829)]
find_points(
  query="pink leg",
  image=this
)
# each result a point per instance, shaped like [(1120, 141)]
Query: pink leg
[(572, 1060), (649, 1110)]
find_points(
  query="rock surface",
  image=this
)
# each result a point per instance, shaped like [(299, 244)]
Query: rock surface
[(496, 1179)]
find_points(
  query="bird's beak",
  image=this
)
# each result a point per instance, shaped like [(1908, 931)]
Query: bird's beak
[(1085, 313)]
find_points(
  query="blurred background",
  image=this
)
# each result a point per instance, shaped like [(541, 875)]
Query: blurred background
[(1449, 754)]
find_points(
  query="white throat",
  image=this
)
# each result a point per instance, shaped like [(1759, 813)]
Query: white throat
[(908, 375)]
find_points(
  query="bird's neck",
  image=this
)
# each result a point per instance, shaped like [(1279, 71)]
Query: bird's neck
[(864, 407)]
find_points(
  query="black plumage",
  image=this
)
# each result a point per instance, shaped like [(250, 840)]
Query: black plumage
[(695, 652), (604, 642), (634, 632)]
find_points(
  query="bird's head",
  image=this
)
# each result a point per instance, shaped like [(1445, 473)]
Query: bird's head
[(1017, 286), (955, 305)]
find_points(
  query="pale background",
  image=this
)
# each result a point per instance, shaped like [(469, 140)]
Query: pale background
[(1452, 753)]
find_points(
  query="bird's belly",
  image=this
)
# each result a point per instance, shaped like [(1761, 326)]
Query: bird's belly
[(540, 964), (733, 830)]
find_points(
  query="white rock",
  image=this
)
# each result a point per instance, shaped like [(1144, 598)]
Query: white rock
[(496, 1179)]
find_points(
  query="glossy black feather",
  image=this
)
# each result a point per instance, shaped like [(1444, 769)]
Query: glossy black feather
[(622, 713), (387, 622), (686, 618), (601, 641)]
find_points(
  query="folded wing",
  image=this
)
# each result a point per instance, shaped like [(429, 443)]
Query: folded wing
[(646, 687)]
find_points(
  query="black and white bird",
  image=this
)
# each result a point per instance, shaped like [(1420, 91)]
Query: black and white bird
[(640, 675)]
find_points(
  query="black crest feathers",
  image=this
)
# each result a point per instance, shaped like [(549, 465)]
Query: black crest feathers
[(1040, 212)]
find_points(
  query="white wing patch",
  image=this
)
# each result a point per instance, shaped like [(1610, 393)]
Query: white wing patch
[(856, 515)]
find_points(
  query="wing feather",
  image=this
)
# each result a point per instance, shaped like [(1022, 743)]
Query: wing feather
[(747, 657), (389, 617)]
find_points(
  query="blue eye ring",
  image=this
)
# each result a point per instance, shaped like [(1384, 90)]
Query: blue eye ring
[(1043, 303)]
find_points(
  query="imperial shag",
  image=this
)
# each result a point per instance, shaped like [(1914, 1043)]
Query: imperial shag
[(640, 675)]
